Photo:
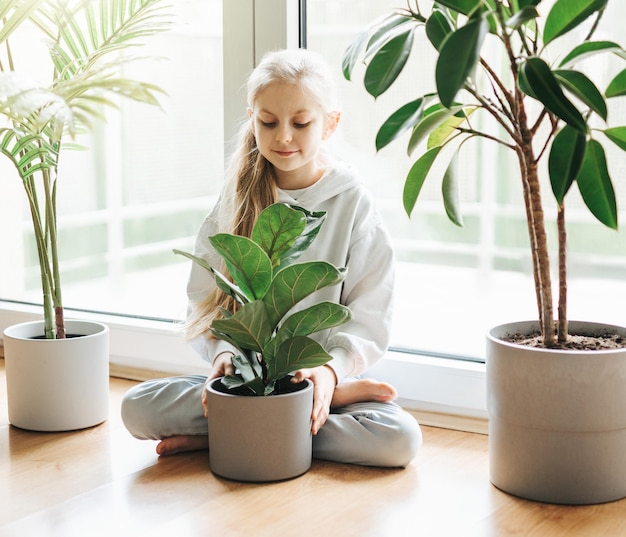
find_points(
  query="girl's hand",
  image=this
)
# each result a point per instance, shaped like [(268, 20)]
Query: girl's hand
[(324, 381), (222, 366)]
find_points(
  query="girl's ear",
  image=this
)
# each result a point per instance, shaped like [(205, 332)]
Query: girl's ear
[(331, 124), (251, 120)]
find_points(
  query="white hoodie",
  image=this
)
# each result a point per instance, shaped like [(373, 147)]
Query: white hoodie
[(352, 236)]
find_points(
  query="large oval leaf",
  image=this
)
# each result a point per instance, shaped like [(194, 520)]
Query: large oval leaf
[(617, 135), (457, 58), (461, 6), (434, 116), (617, 86), (249, 328), (438, 27), (589, 48), (247, 263), (352, 53), (441, 135), (581, 86), (545, 88), (295, 282), (566, 15), (388, 62), (296, 353), (566, 158), (596, 187), (416, 177), (320, 316), (400, 121)]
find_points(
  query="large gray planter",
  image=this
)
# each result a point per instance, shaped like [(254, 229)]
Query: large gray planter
[(57, 384), (557, 419), (260, 438)]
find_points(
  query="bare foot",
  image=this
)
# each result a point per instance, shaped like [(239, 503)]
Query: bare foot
[(362, 390), (180, 444)]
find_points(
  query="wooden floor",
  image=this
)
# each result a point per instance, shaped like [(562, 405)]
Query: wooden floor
[(101, 481)]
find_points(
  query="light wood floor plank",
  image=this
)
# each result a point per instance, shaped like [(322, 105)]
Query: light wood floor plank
[(101, 481)]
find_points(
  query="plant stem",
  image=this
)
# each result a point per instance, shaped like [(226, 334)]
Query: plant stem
[(562, 329)]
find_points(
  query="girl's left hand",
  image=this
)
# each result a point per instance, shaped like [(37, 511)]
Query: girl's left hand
[(324, 382)]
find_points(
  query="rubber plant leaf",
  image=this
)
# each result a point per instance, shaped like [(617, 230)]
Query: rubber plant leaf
[(583, 88), (403, 119), (352, 54), (388, 62), (438, 27), (447, 128), (247, 263), (296, 353), (451, 192), (461, 6), (617, 86), (434, 116), (295, 282), (525, 15), (589, 48), (416, 177), (617, 135), (246, 327), (596, 187), (545, 88), (384, 30), (565, 160), (568, 14), (457, 58)]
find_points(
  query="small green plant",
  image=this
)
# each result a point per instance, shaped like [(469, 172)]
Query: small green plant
[(84, 39), (272, 338), (543, 104)]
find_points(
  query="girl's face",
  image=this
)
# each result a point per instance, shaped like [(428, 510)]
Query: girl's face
[(289, 127)]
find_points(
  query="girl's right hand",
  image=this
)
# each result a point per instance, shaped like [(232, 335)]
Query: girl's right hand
[(222, 366)]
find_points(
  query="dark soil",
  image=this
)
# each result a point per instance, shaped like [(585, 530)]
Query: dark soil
[(574, 342)]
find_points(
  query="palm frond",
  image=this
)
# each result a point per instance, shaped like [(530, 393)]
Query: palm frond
[(13, 13)]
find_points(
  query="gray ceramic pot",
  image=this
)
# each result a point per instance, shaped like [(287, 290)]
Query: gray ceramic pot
[(260, 438), (557, 419)]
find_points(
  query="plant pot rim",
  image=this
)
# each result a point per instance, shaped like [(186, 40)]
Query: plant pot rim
[(30, 329), (307, 384)]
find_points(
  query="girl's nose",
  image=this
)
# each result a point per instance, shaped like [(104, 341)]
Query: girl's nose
[(283, 135)]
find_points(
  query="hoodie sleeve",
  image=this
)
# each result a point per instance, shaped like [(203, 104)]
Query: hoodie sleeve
[(368, 292)]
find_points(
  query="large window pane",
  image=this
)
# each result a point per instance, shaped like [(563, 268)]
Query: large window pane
[(141, 189), (455, 283)]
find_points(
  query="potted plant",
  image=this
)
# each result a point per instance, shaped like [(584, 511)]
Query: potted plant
[(49, 386), (259, 421), (557, 425)]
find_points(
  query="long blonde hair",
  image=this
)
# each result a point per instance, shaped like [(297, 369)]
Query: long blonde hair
[(250, 184)]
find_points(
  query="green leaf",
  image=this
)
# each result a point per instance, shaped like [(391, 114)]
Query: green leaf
[(617, 135), (249, 327), (434, 116), (589, 48), (461, 6), (295, 282), (247, 263), (297, 353), (248, 366), (457, 58), (416, 177), (545, 88), (581, 86), (565, 161), (566, 15), (617, 86), (388, 62), (438, 27), (451, 192), (352, 53), (527, 14), (596, 187), (441, 134), (399, 122)]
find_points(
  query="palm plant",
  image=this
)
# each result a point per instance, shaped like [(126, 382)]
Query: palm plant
[(267, 284), (85, 39), (542, 108)]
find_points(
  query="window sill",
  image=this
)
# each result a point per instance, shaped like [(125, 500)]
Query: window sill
[(438, 391)]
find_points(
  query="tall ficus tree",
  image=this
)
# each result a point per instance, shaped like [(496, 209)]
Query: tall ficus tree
[(544, 105)]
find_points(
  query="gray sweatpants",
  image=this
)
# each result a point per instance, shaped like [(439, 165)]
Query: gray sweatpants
[(370, 434)]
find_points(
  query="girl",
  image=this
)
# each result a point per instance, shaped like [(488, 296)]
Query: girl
[(280, 159)]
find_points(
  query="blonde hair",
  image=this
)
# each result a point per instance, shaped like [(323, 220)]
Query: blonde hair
[(250, 184)]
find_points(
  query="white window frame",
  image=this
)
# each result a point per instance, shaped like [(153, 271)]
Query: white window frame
[(441, 391)]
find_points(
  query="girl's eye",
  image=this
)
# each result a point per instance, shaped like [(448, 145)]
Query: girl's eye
[(268, 124), (301, 125)]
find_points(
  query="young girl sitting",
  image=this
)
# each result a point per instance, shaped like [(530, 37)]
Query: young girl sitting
[(280, 158)]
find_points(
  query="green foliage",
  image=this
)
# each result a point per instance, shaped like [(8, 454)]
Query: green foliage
[(569, 103), (86, 39), (273, 340)]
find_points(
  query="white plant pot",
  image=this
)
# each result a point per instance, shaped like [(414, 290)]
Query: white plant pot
[(557, 418), (259, 438), (57, 384)]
